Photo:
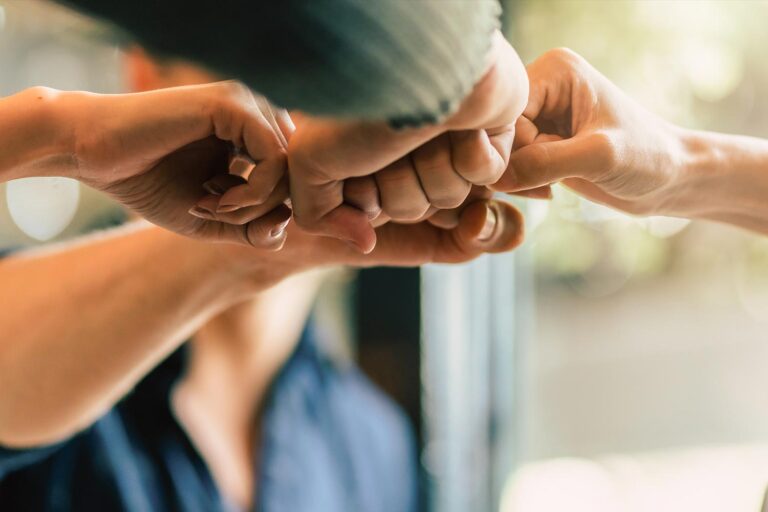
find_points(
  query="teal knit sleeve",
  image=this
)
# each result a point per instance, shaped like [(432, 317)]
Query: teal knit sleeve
[(407, 61)]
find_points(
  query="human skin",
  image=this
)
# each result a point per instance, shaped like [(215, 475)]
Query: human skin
[(402, 172), (243, 316), (580, 129), (118, 144), (129, 297), (58, 375)]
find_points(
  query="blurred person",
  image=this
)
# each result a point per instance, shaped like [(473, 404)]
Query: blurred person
[(580, 129), (103, 408), (403, 116)]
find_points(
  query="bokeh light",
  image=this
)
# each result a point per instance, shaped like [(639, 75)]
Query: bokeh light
[(42, 207)]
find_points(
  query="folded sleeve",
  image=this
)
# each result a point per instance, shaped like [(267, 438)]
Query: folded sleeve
[(407, 61)]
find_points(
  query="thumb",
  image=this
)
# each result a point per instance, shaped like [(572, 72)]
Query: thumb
[(486, 226), (543, 163)]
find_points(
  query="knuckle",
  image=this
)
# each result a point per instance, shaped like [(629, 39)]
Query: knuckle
[(480, 167), (446, 203), (395, 178), (537, 157), (430, 165), (405, 212), (445, 200), (237, 90)]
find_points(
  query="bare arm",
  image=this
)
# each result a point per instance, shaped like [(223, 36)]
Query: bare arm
[(579, 128), (725, 179), (82, 323), (471, 147), (35, 142), (141, 149)]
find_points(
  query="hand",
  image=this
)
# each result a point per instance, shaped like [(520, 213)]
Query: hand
[(159, 152), (432, 165), (481, 226), (580, 129)]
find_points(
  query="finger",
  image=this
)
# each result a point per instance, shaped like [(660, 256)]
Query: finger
[(402, 197), (352, 225), (536, 193), (327, 215), (285, 122), (262, 181), (241, 165), (266, 232), (239, 120), (363, 194), (525, 132), (277, 118), (220, 183), (449, 219), (443, 186), (445, 219), (207, 207), (323, 152), (477, 158), (485, 226), (380, 220), (542, 164)]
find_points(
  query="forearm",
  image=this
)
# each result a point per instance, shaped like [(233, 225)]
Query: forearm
[(35, 139), (83, 324), (724, 178)]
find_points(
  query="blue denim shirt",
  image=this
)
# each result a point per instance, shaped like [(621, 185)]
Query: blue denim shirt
[(331, 442)]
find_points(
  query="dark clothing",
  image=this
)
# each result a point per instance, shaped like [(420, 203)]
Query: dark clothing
[(331, 442), (406, 61)]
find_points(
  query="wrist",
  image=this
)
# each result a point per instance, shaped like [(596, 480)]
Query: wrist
[(246, 271), (722, 175), (690, 170), (209, 270), (38, 132)]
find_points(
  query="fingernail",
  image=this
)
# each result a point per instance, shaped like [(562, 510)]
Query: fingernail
[(489, 227), (202, 213), (354, 246), (213, 188), (277, 231), (227, 208), (241, 165)]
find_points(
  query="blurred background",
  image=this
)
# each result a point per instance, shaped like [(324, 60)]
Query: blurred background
[(644, 385), (611, 364)]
